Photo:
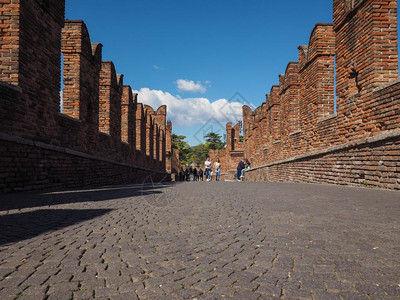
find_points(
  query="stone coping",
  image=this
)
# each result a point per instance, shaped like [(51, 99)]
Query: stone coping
[(373, 139), (386, 85), (23, 141)]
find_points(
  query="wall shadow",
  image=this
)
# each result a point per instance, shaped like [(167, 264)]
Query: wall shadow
[(69, 196), (21, 226)]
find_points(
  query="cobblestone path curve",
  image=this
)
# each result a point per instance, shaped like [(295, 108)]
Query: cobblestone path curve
[(207, 240)]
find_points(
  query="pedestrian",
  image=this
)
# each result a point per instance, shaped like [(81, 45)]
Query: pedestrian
[(201, 174), (207, 171), (247, 167), (187, 173), (181, 175), (191, 175), (217, 167), (195, 174), (239, 169)]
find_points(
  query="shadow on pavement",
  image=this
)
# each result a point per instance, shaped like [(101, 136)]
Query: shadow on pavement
[(20, 226), (69, 196)]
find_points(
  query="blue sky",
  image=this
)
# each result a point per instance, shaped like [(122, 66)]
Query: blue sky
[(200, 56)]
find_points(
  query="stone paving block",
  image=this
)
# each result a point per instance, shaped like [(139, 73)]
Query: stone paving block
[(60, 295), (171, 287), (245, 285), (356, 296), (187, 293), (117, 280), (105, 292), (11, 280), (130, 287), (224, 291), (83, 294), (270, 290), (150, 293), (323, 294), (246, 295), (125, 296), (10, 293)]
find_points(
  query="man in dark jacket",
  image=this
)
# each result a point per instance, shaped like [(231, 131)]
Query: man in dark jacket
[(239, 169)]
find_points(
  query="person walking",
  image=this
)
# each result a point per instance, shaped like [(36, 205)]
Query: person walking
[(182, 175), (217, 168), (201, 174), (207, 166), (187, 174)]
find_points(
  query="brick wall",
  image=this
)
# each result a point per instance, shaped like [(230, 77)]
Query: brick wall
[(368, 163), (101, 134), (296, 134)]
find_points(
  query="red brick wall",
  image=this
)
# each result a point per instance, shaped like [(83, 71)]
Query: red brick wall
[(30, 47), (95, 139), (371, 164), (27, 167), (364, 40)]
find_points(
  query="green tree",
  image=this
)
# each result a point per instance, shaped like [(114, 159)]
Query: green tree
[(178, 142), (198, 154), (213, 141)]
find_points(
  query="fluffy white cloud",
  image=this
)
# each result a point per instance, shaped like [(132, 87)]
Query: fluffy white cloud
[(190, 86), (191, 111)]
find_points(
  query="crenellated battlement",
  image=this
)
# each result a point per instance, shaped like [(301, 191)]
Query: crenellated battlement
[(299, 120), (102, 127)]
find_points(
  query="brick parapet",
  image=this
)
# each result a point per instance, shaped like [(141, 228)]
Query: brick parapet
[(94, 95), (368, 162), (366, 45), (364, 40)]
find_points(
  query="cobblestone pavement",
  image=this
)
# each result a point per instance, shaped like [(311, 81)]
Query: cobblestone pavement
[(205, 240)]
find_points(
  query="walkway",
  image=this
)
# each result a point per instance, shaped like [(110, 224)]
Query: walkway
[(204, 240)]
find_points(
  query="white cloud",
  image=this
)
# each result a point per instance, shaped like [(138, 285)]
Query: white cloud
[(190, 86), (155, 67), (191, 111)]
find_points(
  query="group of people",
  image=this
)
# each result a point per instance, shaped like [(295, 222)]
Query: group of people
[(194, 174), (208, 170)]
